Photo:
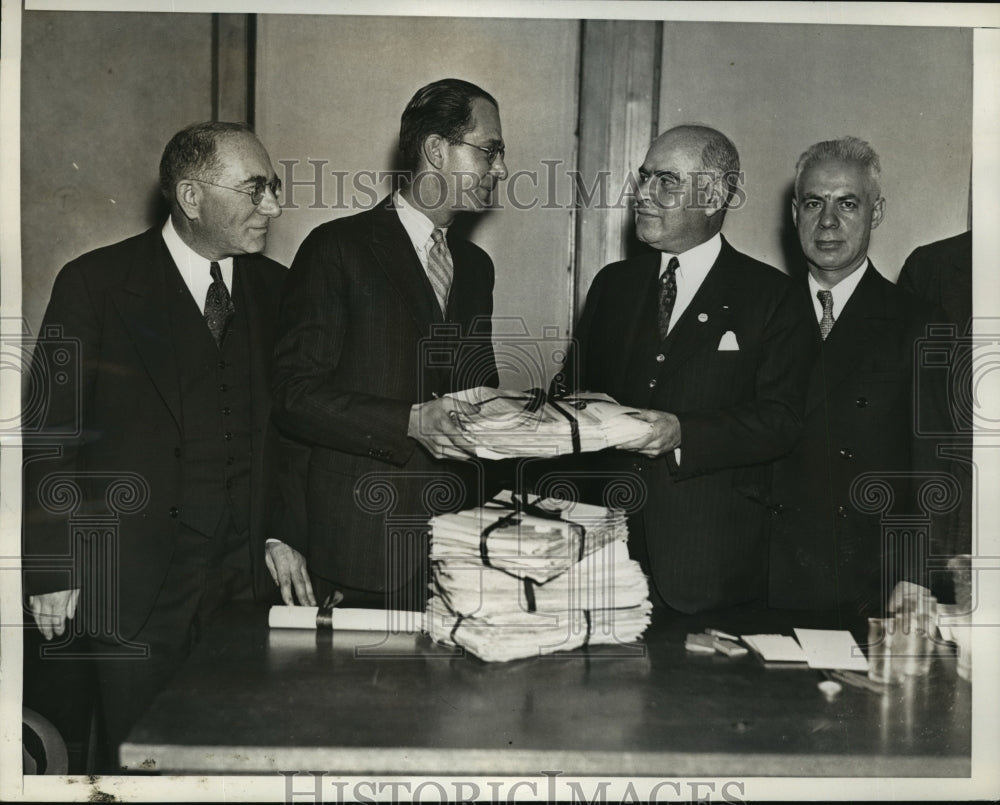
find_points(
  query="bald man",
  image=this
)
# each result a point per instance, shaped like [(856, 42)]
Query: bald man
[(715, 347)]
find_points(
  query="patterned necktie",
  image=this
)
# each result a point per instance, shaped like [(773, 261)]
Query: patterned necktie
[(826, 323), (668, 295), (439, 268), (219, 308)]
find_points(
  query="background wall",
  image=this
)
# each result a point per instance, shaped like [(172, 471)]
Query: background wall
[(776, 89), (102, 92), (331, 89), (101, 95)]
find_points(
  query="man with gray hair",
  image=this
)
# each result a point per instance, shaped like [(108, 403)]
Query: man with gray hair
[(714, 347), (826, 549)]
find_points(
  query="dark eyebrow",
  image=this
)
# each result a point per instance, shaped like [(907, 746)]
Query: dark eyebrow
[(255, 180)]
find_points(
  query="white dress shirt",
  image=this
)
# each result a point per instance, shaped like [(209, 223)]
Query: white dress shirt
[(694, 267), (417, 225), (842, 292), (195, 269)]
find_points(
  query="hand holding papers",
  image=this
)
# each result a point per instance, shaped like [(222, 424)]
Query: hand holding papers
[(518, 579), (505, 424), (435, 425)]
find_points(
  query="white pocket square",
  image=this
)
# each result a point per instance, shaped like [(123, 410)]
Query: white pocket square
[(728, 342)]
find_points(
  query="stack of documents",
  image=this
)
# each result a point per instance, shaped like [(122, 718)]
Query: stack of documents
[(520, 578), (525, 424)]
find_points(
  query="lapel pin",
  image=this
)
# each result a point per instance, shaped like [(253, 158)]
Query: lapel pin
[(702, 317)]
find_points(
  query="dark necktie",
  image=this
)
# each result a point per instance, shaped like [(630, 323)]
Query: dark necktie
[(668, 295), (826, 323), (439, 268), (219, 307)]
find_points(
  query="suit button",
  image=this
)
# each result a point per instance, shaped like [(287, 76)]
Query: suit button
[(226, 411), (652, 383), (845, 452), (637, 467), (842, 511), (177, 452), (230, 461), (228, 436), (222, 364), (224, 388), (778, 508), (661, 358), (861, 402), (174, 511)]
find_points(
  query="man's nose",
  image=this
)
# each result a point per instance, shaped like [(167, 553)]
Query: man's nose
[(828, 218), (269, 205), (499, 168)]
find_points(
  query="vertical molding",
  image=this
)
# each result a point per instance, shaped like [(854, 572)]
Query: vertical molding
[(619, 102), (233, 54)]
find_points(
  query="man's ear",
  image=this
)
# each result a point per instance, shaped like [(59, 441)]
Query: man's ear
[(187, 195), (716, 200), (434, 150), (878, 212)]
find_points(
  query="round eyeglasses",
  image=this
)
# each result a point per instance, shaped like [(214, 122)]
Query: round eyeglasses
[(492, 151), (257, 194)]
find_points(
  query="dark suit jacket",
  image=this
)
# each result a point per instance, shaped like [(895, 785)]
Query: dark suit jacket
[(826, 550), (941, 274), (115, 412), (703, 520), (355, 352)]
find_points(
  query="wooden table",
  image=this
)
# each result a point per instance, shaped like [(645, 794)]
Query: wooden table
[(252, 700)]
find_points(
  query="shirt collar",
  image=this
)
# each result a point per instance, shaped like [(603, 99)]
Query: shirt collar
[(187, 260), (417, 225), (842, 291), (696, 262)]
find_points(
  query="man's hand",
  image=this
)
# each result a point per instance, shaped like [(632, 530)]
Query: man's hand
[(664, 434), (288, 569), (435, 425), (50, 611)]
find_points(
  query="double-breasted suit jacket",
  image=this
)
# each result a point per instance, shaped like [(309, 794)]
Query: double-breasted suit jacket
[(733, 371), (362, 339), (864, 402), (113, 408)]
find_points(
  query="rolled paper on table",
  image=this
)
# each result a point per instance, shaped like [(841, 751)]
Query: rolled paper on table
[(362, 620)]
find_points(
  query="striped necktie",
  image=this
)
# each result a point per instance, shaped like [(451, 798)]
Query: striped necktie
[(439, 268)]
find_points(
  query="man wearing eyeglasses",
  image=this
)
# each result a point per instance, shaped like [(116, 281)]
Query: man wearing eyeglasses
[(385, 313), (166, 429)]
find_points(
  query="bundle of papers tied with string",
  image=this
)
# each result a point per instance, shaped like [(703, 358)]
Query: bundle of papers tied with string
[(527, 424), (518, 578)]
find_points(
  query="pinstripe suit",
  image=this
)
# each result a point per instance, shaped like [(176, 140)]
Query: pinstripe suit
[(355, 351)]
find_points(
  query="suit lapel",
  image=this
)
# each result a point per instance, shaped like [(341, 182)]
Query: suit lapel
[(140, 303), (857, 329), (636, 298), (252, 294), (396, 257)]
